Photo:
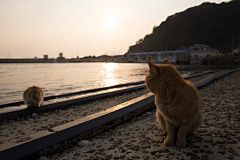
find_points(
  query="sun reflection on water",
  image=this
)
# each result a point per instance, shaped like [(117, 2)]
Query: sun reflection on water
[(109, 74)]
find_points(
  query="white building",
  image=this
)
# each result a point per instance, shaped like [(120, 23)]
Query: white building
[(200, 51), (159, 56)]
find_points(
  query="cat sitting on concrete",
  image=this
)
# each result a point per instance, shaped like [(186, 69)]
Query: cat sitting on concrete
[(33, 96), (178, 102)]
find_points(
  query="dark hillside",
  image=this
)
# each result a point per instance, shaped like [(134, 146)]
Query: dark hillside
[(210, 23)]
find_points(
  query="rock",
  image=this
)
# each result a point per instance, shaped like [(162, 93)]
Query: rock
[(83, 143), (43, 158), (34, 115)]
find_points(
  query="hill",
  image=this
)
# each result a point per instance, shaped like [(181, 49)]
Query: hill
[(209, 23)]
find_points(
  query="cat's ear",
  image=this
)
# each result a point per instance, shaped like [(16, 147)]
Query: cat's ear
[(152, 66), (165, 61)]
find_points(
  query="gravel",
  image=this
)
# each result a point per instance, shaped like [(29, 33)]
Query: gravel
[(217, 138)]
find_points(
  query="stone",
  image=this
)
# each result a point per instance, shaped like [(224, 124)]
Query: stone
[(83, 143), (43, 158), (34, 115)]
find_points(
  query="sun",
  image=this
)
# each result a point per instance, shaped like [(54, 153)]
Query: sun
[(111, 23)]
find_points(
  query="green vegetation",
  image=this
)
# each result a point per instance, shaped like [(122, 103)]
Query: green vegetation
[(211, 24)]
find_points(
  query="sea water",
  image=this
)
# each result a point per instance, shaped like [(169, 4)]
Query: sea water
[(60, 78)]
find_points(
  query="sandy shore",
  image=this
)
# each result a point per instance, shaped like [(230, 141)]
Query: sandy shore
[(141, 138)]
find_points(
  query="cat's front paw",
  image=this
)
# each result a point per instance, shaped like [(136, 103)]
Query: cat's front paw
[(181, 144), (168, 142)]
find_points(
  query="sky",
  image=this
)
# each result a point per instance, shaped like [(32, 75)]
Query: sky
[(33, 28)]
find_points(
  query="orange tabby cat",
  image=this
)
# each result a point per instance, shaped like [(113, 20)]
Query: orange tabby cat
[(33, 96), (179, 105)]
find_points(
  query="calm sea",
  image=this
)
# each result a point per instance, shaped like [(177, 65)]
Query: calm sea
[(59, 78)]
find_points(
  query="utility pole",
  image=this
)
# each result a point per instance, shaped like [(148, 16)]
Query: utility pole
[(9, 55)]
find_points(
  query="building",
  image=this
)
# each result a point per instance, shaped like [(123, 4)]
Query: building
[(61, 59), (103, 58), (45, 57), (200, 51), (158, 56)]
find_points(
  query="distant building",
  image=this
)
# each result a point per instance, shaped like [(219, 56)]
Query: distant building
[(45, 57), (61, 59), (158, 56), (200, 51), (103, 58)]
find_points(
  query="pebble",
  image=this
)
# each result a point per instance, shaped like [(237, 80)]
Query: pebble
[(34, 115), (43, 158), (147, 113), (84, 143)]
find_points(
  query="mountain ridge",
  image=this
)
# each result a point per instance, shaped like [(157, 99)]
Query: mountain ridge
[(209, 23)]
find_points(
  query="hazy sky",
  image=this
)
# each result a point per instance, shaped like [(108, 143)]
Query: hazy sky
[(30, 28)]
